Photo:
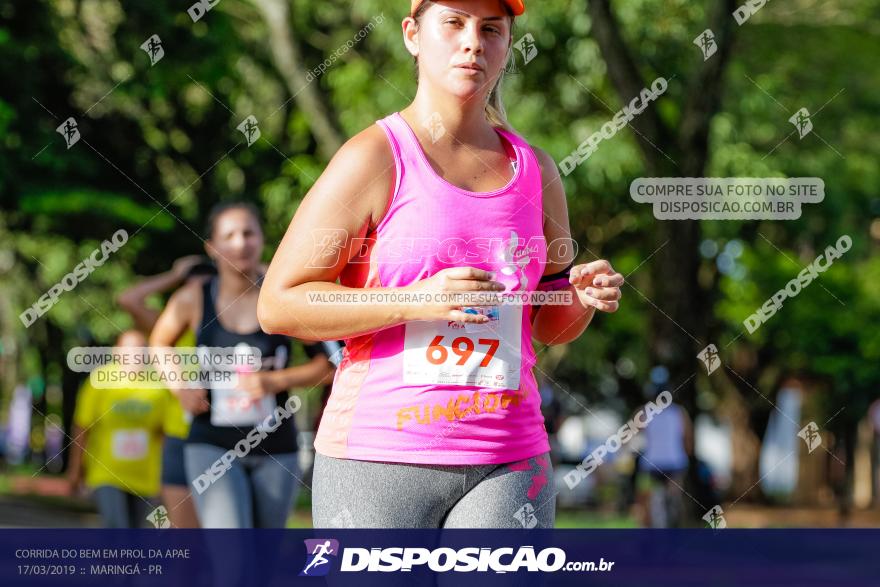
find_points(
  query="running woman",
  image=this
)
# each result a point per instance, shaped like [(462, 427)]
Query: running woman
[(434, 419), (258, 489)]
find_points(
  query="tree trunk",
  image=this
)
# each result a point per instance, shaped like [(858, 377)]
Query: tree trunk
[(300, 82), (679, 326)]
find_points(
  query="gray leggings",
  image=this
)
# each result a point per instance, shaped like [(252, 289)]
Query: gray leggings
[(366, 494)]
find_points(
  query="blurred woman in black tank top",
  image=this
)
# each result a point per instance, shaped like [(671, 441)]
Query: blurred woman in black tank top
[(241, 453)]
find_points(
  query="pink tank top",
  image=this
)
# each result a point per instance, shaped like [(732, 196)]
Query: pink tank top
[(435, 391)]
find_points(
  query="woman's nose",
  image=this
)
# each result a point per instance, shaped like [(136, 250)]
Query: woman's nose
[(472, 41)]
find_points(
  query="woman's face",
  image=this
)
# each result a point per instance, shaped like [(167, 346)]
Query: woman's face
[(453, 33), (236, 242)]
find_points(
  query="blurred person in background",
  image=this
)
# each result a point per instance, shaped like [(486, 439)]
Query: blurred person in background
[(117, 438), (259, 489), (668, 442)]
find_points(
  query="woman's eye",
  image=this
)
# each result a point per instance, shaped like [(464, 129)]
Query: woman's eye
[(452, 21)]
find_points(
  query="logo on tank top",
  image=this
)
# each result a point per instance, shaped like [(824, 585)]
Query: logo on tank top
[(514, 260), (509, 262)]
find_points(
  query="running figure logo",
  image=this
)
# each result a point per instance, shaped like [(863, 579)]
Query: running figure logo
[(159, 517), (153, 48), (706, 42), (69, 131), (434, 124), (801, 121), (329, 243), (317, 561), (709, 356), (249, 129), (527, 48), (715, 518), (810, 434), (526, 516)]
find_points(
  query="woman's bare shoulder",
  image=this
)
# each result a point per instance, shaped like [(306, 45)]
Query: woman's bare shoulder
[(362, 172), (188, 297)]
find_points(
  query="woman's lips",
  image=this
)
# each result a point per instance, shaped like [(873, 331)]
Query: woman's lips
[(469, 70)]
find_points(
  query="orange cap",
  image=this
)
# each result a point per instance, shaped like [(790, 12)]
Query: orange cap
[(516, 6)]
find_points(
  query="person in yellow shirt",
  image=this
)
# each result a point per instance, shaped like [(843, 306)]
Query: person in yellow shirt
[(175, 492), (117, 446)]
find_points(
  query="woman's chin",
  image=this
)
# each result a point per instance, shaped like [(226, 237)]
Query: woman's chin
[(466, 90)]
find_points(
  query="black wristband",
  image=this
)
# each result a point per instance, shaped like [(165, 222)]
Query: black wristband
[(559, 275)]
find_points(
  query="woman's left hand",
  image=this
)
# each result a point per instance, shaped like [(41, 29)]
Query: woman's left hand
[(597, 284), (257, 385)]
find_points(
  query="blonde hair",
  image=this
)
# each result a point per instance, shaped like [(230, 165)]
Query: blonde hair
[(495, 112), (496, 115)]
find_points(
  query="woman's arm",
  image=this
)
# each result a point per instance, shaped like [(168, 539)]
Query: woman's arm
[(183, 311), (134, 299), (345, 204), (592, 285)]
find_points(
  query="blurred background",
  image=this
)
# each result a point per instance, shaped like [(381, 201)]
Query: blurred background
[(157, 96)]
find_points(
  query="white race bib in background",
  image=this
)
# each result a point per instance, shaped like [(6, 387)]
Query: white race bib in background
[(129, 445), (233, 407)]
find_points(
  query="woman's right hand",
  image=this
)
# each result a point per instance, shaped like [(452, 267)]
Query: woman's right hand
[(447, 282), (182, 266), (194, 401)]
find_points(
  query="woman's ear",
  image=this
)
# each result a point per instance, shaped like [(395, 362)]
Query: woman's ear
[(410, 35)]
